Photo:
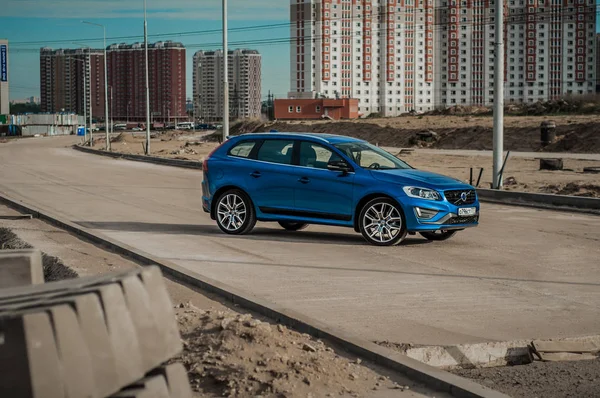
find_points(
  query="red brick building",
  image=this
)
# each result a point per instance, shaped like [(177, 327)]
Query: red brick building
[(317, 108), (64, 78), (126, 75)]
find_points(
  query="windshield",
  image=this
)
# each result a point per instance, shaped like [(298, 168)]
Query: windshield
[(371, 157)]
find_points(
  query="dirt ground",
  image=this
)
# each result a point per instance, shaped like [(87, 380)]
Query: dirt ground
[(541, 379), (227, 351), (521, 174)]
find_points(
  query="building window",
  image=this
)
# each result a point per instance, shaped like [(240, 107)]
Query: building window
[(291, 109), (298, 109), (318, 109)]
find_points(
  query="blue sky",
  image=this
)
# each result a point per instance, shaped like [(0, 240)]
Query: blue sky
[(31, 24)]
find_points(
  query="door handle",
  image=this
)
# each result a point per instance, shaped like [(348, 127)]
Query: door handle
[(304, 180), (255, 174)]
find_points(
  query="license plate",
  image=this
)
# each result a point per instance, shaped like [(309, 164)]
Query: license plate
[(467, 211)]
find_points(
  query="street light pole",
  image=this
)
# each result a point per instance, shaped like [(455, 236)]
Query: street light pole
[(147, 82), (225, 75), (105, 85), (498, 135)]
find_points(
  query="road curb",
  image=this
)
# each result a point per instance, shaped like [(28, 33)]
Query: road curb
[(418, 371), (536, 200), (187, 164), (541, 200)]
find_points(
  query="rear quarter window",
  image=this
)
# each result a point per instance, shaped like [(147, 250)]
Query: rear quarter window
[(242, 149)]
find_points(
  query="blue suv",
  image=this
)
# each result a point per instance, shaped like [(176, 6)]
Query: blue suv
[(299, 179)]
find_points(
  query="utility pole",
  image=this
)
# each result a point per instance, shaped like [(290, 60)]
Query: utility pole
[(105, 84), (89, 66), (498, 137), (147, 82), (225, 75), (112, 115)]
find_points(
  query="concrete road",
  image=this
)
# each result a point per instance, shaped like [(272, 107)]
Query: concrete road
[(524, 273)]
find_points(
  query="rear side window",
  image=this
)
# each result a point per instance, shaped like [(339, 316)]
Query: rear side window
[(276, 151), (243, 149)]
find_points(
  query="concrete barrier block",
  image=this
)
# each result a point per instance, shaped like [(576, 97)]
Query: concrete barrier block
[(29, 361), (73, 353), (20, 267), (149, 387), (153, 351), (177, 380), (164, 314), (121, 331)]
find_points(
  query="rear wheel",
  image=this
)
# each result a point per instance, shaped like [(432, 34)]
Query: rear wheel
[(381, 222), (235, 213), (293, 226), (442, 234)]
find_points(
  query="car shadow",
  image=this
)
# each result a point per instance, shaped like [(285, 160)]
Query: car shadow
[(259, 233)]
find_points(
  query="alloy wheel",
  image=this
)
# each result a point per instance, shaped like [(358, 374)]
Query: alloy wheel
[(231, 212), (382, 222)]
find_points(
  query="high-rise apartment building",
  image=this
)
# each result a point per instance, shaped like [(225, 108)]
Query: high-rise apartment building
[(4, 87), (126, 75), (65, 79), (397, 56), (550, 50), (63, 74), (378, 51), (244, 84)]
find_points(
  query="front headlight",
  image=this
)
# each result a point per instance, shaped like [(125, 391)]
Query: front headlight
[(422, 193)]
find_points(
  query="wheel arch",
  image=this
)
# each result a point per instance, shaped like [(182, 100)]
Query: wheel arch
[(217, 195), (366, 199)]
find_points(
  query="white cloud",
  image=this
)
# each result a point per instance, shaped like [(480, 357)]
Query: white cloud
[(173, 9)]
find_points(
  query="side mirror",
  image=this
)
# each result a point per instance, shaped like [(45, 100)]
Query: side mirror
[(339, 165)]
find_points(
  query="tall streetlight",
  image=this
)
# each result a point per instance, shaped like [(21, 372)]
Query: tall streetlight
[(147, 82), (105, 84), (498, 134), (225, 75), (88, 83)]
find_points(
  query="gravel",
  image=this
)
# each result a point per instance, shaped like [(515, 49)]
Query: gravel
[(541, 379)]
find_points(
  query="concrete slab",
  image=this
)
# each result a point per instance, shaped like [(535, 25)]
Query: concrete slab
[(177, 380), (21, 267)]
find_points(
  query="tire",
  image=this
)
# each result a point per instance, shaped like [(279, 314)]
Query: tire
[(382, 222), (235, 212), (292, 226), (438, 235)]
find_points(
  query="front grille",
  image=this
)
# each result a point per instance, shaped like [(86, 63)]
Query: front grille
[(463, 220), (454, 197)]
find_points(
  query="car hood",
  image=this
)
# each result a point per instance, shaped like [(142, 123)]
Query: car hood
[(421, 178)]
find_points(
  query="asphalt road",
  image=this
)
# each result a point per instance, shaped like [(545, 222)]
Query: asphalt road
[(524, 273)]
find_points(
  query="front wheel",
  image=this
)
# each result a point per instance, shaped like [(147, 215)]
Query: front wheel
[(381, 222), (293, 226), (235, 213), (441, 234)]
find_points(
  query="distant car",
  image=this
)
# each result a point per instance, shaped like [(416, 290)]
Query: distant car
[(185, 126), (137, 129), (300, 179)]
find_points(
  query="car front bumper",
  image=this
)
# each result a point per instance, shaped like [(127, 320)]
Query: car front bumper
[(446, 215)]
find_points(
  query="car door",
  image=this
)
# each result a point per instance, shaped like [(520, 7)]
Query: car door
[(319, 192), (269, 181)]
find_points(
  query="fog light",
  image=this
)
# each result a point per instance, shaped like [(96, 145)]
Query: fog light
[(425, 214)]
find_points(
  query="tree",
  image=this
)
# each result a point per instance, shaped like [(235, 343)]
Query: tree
[(24, 108)]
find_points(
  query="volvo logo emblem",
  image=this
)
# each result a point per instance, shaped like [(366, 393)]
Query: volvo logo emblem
[(463, 196)]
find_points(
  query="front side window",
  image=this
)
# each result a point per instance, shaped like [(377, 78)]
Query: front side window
[(371, 157), (243, 149), (316, 156), (276, 151)]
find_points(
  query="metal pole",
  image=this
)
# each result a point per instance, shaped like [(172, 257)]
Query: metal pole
[(85, 128), (112, 115), (106, 92), (498, 138), (225, 75), (147, 83), (90, 93)]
